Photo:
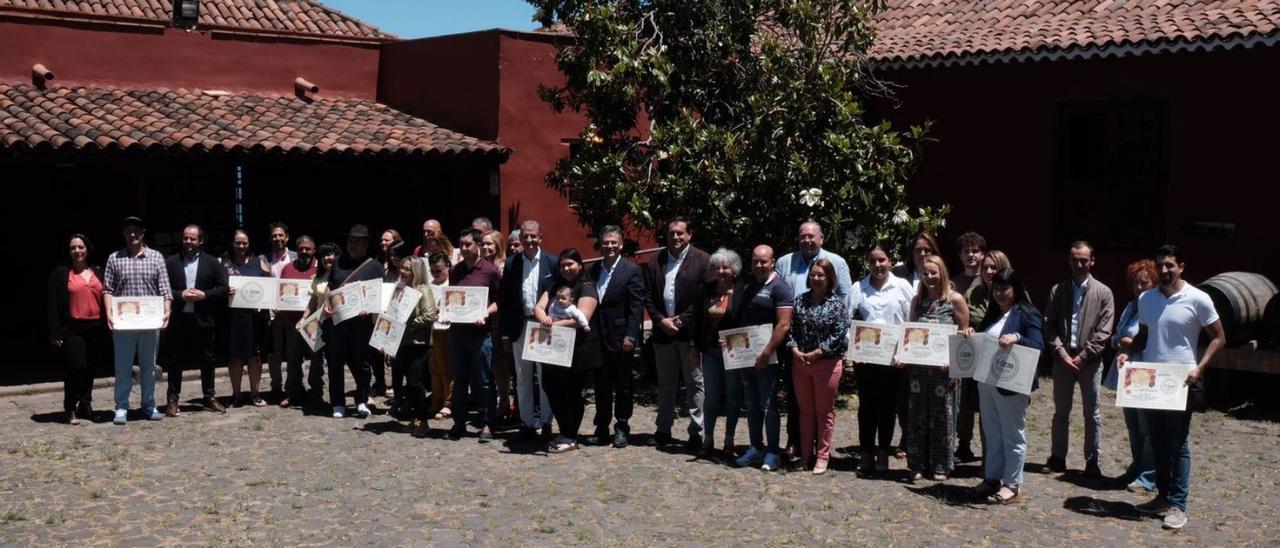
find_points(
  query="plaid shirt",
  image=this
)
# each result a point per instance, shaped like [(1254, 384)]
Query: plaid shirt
[(141, 276)]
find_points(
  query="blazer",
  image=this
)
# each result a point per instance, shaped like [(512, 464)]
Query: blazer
[(211, 278), (1024, 320), (620, 313), (511, 318), (1097, 314), (689, 279), (59, 301)]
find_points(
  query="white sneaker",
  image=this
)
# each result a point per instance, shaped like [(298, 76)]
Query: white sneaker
[(339, 411), (362, 411), (1175, 519), (153, 414), (122, 416)]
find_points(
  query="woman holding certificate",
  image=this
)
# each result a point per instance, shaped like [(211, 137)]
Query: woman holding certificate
[(564, 384), (77, 328), (819, 339), (248, 332), (1013, 320), (931, 432), (493, 247), (1141, 473), (415, 345), (723, 388), (440, 367), (880, 299)]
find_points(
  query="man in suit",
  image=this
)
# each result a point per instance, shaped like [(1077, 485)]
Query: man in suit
[(620, 285), (674, 279), (200, 285), (1078, 324), (524, 278)]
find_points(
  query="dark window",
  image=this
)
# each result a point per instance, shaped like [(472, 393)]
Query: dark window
[(1111, 171)]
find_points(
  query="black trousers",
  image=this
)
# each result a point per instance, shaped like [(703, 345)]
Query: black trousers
[(295, 351), (186, 342), (82, 352), (614, 391), (413, 360), (564, 392), (348, 346), (877, 405), (793, 405)]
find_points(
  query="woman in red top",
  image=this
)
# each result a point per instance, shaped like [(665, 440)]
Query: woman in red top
[(76, 328)]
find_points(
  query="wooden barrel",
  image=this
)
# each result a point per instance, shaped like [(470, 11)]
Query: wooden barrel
[(1241, 299), (1271, 321)]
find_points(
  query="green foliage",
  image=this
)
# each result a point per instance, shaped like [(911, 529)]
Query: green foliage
[(746, 115)]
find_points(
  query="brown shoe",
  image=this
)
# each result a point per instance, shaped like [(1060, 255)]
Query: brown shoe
[(171, 410), (211, 405)]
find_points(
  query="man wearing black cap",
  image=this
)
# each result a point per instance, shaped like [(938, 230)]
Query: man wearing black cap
[(348, 342), (135, 271), (200, 283)]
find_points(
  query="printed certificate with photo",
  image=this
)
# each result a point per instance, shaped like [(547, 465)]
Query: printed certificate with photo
[(293, 295), (254, 292), (873, 343), (371, 295), (742, 345), (464, 304), (549, 345), (137, 313), (925, 344), (311, 330), (387, 333), (401, 302), (1145, 385), (347, 302)]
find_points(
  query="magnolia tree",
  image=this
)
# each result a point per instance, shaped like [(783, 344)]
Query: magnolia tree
[(746, 115)]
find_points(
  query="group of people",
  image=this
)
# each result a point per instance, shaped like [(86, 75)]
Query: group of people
[(444, 372)]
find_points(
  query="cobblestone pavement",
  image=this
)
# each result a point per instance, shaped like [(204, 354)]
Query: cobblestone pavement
[(278, 477)]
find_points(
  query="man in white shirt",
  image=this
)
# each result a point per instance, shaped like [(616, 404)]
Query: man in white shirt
[(1170, 319), (524, 278), (279, 256)]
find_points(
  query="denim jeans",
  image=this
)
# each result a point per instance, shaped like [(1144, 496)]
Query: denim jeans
[(761, 389), (1172, 449), (472, 376), (723, 396), (1142, 469), (1004, 423), (145, 344)]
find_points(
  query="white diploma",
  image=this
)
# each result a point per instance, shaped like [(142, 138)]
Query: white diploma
[(401, 301), (873, 343), (387, 333), (981, 357), (293, 295), (549, 345), (743, 344), (137, 313), (311, 330), (254, 292), (347, 302), (1146, 385), (926, 344), (465, 304)]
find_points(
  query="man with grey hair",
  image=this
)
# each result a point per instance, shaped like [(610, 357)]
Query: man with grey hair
[(483, 224), (794, 269), (620, 314), (673, 282), (525, 277)]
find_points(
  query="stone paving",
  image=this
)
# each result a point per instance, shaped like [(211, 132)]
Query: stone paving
[(273, 476)]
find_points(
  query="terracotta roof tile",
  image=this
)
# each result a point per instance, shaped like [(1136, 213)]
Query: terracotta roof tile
[(181, 121), (296, 16), (915, 30)]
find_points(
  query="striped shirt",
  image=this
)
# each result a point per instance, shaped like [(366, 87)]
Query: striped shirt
[(143, 275)]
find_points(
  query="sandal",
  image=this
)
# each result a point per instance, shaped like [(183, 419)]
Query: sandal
[(563, 447), (1001, 498), (259, 402)]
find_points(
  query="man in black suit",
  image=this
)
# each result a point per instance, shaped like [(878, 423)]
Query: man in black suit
[(674, 279), (524, 278), (620, 285), (199, 286)]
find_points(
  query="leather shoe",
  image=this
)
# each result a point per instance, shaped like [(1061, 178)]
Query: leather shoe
[(619, 439), (211, 405), (1092, 471), (171, 410)]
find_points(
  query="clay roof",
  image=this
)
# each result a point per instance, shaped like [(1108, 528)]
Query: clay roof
[(303, 18), (97, 118)]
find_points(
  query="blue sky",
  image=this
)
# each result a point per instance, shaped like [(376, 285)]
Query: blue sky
[(419, 18)]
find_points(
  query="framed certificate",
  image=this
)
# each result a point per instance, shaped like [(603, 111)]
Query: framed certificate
[(742, 345), (387, 333), (311, 330), (465, 304), (925, 344), (137, 313), (401, 301), (347, 302), (549, 345), (254, 292), (873, 342), (1012, 368), (1146, 385), (293, 295)]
